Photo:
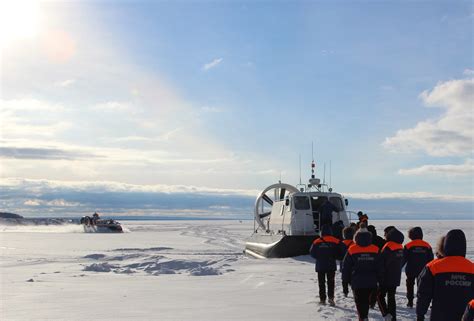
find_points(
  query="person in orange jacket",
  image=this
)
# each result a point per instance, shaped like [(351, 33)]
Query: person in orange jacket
[(326, 250), (416, 254), (348, 233), (362, 218), (363, 269), (392, 256), (447, 283)]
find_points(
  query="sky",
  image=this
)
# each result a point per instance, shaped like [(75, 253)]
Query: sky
[(193, 107)]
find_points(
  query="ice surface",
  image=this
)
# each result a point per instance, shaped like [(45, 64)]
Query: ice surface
[(170, 270)]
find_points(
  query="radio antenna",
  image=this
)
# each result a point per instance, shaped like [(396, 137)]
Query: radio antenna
[(313, 165), (300, 169), (330, 174), (324, 175)]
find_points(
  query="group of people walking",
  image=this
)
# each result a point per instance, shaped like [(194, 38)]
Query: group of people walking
[(372, 267)]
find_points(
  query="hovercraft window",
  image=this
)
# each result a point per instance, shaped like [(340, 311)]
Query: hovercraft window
[(336, 201), (301, 203), (317, 202)]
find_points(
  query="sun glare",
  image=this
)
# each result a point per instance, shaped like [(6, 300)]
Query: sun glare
[(19, 19)]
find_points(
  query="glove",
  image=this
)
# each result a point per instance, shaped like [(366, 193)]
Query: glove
[(420, 318)]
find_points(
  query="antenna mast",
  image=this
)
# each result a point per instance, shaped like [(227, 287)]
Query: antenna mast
[(330, 174), (324, 174), (300, 169)]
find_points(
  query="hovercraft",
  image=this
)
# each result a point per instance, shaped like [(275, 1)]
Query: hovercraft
[(95, 224), (287, 218)]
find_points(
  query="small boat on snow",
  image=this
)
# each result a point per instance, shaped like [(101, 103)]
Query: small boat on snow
[(287, 219), (95, 224)]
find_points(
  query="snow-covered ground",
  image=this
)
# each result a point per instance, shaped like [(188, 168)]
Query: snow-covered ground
[(169, 270)]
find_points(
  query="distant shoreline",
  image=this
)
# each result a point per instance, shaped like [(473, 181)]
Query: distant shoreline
[(188, 218)]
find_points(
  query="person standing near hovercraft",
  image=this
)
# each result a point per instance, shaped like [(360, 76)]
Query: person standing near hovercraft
[(392, 256), (326, 250), (363, 269), (348, 233), (416, 254)]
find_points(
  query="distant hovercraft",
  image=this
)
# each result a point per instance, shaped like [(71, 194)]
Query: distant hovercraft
[(95, 224)]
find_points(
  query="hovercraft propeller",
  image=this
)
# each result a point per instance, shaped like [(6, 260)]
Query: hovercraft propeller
[(264, 202)]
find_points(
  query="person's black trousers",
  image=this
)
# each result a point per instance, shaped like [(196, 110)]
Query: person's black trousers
[(390, 306), (322, 277), (345, 288), (361, 297), (373, 298), (410, 289)]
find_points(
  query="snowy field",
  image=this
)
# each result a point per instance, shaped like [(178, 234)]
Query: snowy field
[(169, 270)]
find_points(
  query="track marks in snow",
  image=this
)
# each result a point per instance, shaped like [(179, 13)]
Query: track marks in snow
[(156, 265), (149, 249), (345, 307)]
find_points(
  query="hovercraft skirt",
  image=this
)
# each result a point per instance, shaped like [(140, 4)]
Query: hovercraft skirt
[(278, 246)]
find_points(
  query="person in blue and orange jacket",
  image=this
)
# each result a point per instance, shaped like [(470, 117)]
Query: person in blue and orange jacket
[(363, 269), (380, 242), (447, 283), (469, 312), (416, 254), (326, 250), (392, 256), (348, 233)]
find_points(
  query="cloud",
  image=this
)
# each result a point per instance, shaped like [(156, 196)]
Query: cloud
[(468, 72), (112, 186), (113, 106), (34, 202), (52, 203), (42, 153), (410, 196), (31, 118), (41, 197), (452, 133), (60, 198), (28, 104), (212, 64), (446, 170), (211, 109), (65, 83)]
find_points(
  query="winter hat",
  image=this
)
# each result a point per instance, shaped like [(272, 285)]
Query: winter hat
[(455, 243), (326, 230), (415, 233)]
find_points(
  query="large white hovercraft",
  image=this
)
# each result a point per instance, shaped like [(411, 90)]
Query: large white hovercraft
[(287, 218)]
